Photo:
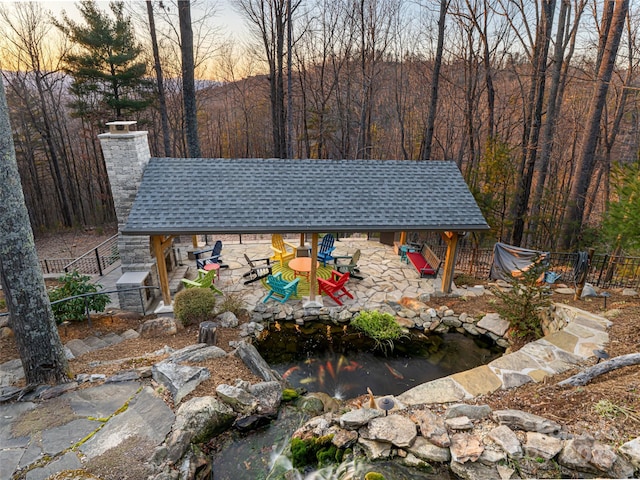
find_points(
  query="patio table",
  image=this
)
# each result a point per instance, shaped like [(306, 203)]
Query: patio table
[(301, 266)]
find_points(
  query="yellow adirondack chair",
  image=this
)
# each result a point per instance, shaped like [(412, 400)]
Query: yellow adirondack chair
[(280, 252)]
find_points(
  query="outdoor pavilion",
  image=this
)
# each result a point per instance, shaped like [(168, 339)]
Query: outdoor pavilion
[(195, 196)]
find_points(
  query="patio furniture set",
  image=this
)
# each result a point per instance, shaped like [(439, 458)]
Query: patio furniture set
[(297, 258)]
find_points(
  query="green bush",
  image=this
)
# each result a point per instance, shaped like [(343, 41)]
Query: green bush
[(75, 310), (381, 327), (194, 305), (522, 305)]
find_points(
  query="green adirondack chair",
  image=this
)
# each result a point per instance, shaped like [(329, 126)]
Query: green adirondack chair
[(203, 280)]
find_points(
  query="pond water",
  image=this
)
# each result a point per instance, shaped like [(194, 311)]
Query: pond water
[(343, 363)]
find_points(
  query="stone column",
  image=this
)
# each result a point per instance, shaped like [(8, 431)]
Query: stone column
[(126, 154)]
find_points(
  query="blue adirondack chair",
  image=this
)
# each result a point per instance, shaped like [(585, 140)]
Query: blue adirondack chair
[(325, 249), (281, 290), (210, 255)]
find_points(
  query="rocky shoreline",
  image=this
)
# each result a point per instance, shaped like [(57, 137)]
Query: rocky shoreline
[(431, 426)]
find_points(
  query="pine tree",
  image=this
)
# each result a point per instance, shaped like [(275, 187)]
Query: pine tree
[(108, 77)]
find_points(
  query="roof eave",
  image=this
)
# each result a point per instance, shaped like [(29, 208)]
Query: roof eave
[(307, 229)]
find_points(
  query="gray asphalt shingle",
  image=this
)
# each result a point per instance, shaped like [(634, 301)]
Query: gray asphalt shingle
[(215, 195)]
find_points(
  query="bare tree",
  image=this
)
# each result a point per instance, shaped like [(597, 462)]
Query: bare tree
[(533, 122), (31, 317), (607, 52), (269, 20), (162, 101), (425, 148), (188, 78)]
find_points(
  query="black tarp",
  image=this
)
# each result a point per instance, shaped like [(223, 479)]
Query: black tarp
[(510, 261)]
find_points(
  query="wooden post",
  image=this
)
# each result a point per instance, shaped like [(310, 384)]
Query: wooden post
[(313, 275), (159, 243), (194, 241), (302, 239), (450, 260), (583, 276), (403, 237)]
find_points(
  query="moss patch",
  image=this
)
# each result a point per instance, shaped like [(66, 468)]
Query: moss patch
[(50, 414)]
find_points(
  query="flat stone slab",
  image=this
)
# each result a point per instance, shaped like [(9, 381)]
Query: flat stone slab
[(147, 416), (442, 390), (494, 324), (103, 400), (563, 340), (478, 381), (58, 439), (9, 413), (68, 461)]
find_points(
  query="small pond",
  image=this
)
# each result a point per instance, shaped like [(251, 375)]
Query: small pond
[(343, 363)]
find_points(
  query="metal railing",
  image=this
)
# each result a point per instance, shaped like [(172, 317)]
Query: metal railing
[(86, 297), (96, 260), (605, 271)]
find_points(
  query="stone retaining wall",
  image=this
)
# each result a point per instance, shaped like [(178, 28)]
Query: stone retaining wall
[(410, 313)]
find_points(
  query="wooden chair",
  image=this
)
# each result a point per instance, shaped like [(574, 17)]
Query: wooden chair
[(210, 255), (325, 248), (335, 286), (348, 264), (259, 269), (203, 280), (280, 289), (279, 247)]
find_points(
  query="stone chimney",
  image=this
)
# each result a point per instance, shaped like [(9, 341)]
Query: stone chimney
[(126, 154)]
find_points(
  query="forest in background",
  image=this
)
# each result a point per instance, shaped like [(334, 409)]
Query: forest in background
[(536, 102)]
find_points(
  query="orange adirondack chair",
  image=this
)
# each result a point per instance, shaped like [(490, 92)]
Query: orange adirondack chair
[(335, 286), (280, 252)]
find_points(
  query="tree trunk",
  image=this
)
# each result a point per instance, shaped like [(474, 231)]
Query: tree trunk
[(164, 119), (188, 78), (425, 147), (609, 48), (31, 317), (554, 102), (541, 51)]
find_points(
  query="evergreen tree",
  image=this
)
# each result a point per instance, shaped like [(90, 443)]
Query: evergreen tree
[(621, 225), (108, 76)]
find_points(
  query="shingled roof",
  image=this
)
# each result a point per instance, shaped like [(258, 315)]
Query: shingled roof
[(215, 195)]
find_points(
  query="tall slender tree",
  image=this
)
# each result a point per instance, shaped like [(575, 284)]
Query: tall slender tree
[(188, 78), (31, 317), (162, 100), (425, 147), (607, 52), (534, 125)]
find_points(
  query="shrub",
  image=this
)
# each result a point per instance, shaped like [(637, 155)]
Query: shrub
[(381, 327), (522, 305), (74, 310), (194, 305), (231, 302)]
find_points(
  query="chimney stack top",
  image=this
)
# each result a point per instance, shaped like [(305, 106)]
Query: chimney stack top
[(121, 127)]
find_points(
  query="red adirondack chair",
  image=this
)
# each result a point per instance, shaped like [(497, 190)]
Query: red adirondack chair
[(335, 286)]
